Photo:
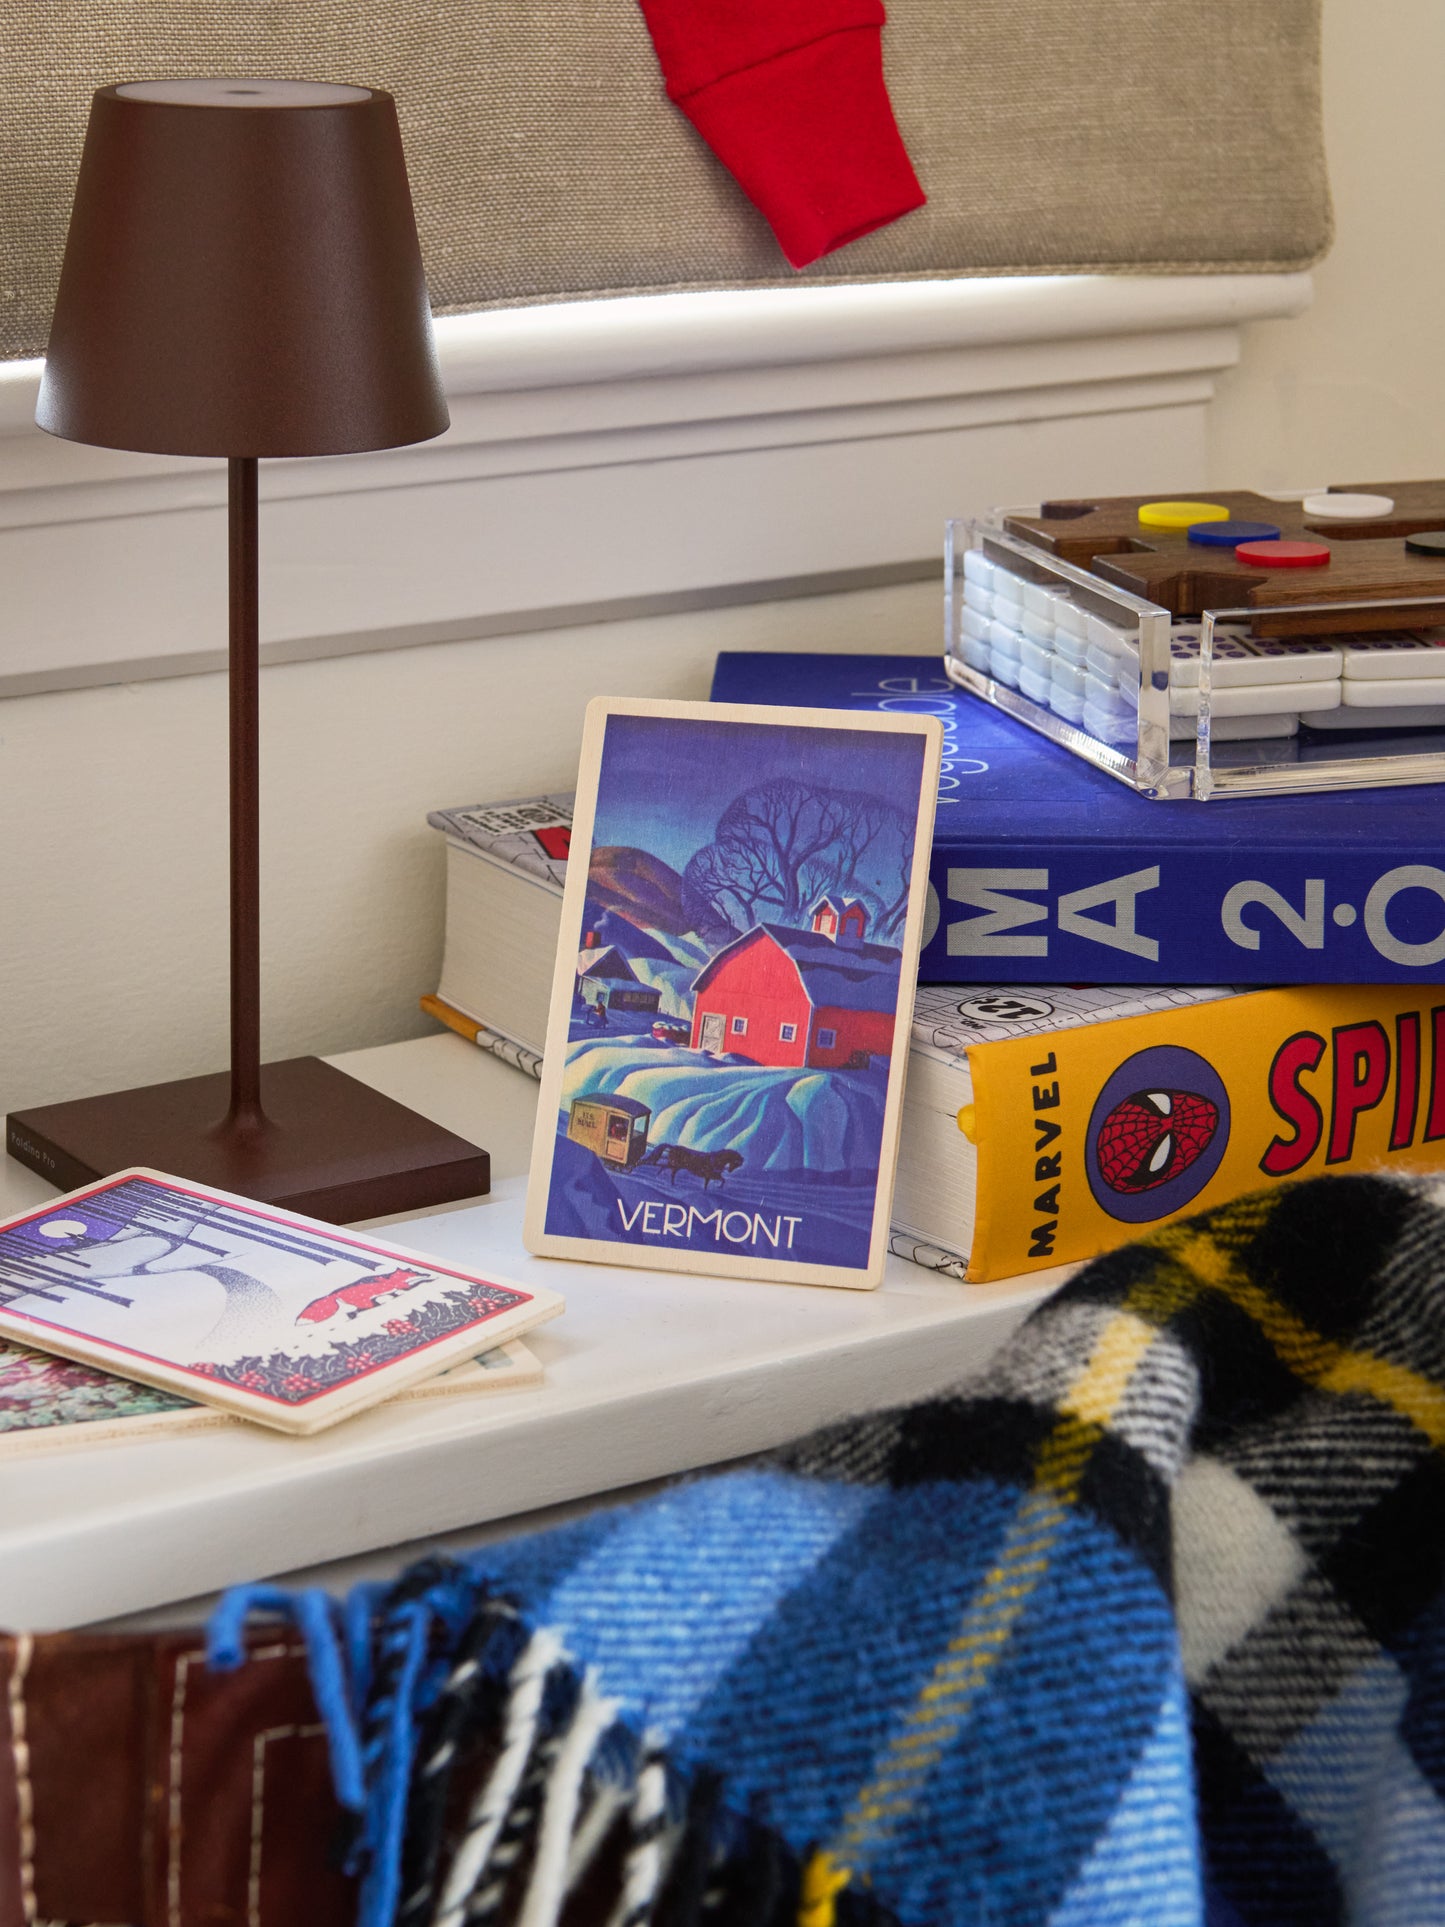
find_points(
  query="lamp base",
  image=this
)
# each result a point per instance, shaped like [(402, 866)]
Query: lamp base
[(331, 1146)]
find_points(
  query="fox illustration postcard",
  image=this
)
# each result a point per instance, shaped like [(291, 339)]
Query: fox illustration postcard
[(259, 1311), (730, 1014)]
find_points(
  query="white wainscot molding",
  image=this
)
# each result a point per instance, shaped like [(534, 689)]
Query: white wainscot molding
[(621, 457)]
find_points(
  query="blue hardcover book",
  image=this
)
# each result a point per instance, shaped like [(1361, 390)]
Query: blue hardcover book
[(1045, 870)]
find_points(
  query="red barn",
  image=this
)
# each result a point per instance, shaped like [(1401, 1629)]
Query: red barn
[(820, 998)]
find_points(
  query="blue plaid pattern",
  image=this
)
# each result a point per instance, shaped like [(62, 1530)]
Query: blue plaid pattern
[(1146, 1625)]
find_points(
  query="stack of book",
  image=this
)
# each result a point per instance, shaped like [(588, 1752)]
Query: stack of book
[(1049, 1116)]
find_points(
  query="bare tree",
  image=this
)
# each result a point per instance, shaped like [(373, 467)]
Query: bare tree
[(781, 846)]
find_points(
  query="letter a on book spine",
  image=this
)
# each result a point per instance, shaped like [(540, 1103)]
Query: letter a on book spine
[(730, 1013)]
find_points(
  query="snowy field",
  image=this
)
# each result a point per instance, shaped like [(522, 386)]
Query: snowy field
[(819, 1123)]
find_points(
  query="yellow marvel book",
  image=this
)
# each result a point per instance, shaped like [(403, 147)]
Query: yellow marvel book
[(1083, 1137)]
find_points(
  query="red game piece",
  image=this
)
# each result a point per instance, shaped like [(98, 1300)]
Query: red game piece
[(1283, 555)]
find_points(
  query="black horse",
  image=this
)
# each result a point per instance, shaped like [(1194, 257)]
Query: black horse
[(710, 1166)]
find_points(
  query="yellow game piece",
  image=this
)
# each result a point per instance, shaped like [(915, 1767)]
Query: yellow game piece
[(1180, 515)]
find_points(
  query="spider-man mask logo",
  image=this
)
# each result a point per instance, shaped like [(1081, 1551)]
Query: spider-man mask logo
[(1152, 1136), (1157, 1133)]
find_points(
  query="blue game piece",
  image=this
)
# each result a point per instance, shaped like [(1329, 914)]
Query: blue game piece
[(1228, 535)]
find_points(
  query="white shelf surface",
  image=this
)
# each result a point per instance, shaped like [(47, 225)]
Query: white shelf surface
[(647, 1375)]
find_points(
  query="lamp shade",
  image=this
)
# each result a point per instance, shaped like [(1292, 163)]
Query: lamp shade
[(242, 276)]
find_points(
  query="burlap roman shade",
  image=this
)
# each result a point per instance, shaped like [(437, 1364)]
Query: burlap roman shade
[(1068, 135)]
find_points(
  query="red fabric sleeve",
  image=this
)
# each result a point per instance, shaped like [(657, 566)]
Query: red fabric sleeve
[(790, 96)]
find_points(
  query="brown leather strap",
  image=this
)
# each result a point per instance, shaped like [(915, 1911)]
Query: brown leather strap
[(137, 1786)]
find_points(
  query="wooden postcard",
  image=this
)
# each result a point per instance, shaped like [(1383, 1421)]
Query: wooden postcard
[(730, 1013), (258, 1311), (50, 1404)]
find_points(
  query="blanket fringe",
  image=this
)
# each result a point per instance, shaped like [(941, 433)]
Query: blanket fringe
[(492, 1829), (547, 1888), (439, 1673)]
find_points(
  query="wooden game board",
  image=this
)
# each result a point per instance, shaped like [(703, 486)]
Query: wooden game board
[(1369, 560)]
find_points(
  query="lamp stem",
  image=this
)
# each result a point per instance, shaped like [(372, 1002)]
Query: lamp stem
[(245, 1111)]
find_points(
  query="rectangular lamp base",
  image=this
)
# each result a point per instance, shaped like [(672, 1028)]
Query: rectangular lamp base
[(332, 1146)]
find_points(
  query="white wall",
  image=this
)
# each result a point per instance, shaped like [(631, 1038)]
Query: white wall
[(113, 852), (1354, 389)]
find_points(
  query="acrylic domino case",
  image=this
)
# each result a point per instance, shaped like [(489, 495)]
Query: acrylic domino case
[(1199, 705)]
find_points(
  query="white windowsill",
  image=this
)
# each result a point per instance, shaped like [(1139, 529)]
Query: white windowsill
[(619, 456), (708, 333)]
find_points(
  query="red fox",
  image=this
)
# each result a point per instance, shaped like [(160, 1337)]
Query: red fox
[(359, 1297)]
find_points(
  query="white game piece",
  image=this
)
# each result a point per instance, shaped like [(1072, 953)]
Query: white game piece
[(1378, 658), (1110, 725), (1186, 631), (1034, 656), (1102, 663), (973, 625), (1277, 662), (1100, 691), (1109, 728), (1010, 613), (1257, 699), (1070, 648), (1033, 685), (977, 568), (975, 596), (1235, 729), (1395, 692), (1068, 680), (1238, 660), (1420, 716), (1232, 661), (1037, 629), (1108, 636), (1070, 620), (1330, 507), (976, 654), (1004, 646)]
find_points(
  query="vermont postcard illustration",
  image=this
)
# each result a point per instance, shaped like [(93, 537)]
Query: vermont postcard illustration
[(729, 1019)]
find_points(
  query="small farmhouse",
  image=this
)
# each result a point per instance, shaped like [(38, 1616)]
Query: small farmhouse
[(845, 921), (822, 998), (606, 978)]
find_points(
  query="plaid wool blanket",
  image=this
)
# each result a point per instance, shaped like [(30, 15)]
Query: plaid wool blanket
[(1145, 1625)]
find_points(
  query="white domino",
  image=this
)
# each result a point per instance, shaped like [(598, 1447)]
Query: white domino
[(1418, 716), (1277, 662), (971, 623), (1034, 656), (1108, 638), (1393, 692), (1237, 659), (1236, 729), (1257, 699), (1378, 658), (1070, 621)]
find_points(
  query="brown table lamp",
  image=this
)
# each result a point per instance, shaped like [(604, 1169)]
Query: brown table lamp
[(242, 278)]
